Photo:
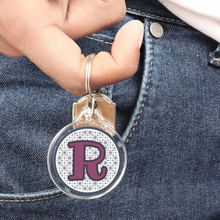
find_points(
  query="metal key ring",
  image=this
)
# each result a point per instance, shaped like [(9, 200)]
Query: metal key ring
[(88, 75), (91, 99)]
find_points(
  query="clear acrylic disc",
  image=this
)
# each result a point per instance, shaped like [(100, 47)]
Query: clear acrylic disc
[(87, 162)]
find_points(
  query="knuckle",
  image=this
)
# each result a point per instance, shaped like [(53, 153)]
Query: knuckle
[(117, 14), (9, 50), (129, 72), (74, 84), (112, 11), (73, 89)]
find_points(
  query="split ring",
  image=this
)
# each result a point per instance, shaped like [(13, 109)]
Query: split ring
[(88, 75)]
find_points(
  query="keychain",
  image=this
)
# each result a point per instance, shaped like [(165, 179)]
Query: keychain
[(87, 158)]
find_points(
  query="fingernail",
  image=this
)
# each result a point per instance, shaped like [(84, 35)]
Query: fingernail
[(141, 35)]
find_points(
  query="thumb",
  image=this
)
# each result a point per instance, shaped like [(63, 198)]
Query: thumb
[(60, 57), (123, 61)]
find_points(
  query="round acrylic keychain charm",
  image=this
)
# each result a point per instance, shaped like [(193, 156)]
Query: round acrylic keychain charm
[(87, 158)]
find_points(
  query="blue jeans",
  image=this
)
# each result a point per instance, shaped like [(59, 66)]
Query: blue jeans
[(168, 115)]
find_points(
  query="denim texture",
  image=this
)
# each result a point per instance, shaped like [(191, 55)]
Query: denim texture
[(167, 114)]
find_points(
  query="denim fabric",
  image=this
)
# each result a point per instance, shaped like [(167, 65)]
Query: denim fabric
[(168, 115)]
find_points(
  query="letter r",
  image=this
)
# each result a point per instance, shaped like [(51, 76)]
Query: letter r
[(79, 161)]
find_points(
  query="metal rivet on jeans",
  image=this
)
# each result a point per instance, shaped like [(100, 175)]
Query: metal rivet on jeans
[(156, 30)]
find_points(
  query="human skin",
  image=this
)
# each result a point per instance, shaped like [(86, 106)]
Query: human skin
[(45, 30)]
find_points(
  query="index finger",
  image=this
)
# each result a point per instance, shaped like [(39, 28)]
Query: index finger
[(60, 57)]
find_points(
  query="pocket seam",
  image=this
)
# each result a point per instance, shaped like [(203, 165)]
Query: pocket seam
[(152, 16), (30, 200), (127, 136)]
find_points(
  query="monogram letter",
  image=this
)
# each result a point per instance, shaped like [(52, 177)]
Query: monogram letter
[(79, 161)]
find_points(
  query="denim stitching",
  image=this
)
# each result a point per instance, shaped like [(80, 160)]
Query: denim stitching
[(156, 16), (30, 200), (146, 94), (96, 39), (106, 92)]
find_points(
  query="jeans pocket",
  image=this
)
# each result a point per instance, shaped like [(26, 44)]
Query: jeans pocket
[(33, 109)]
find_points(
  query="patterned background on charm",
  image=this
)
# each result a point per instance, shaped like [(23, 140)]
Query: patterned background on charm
[(64, 159)]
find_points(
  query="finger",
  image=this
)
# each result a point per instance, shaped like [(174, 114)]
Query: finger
[(124, 59), (8, 50), (59, 57), (85, 17)]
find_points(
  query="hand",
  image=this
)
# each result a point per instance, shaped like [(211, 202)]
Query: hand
[(43, 31)]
